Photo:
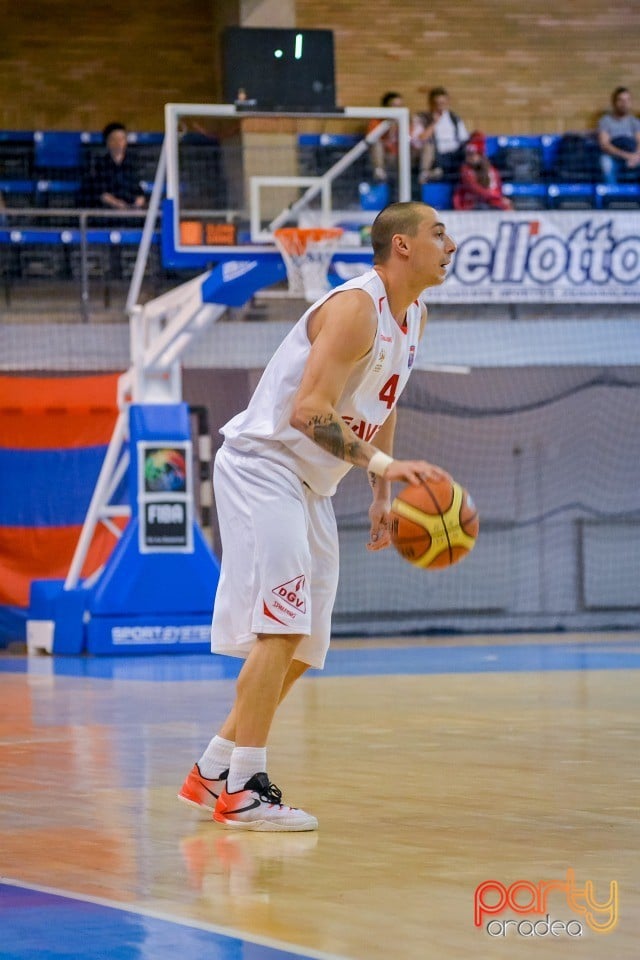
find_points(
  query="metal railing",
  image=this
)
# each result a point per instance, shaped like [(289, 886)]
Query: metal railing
[(27, 230)]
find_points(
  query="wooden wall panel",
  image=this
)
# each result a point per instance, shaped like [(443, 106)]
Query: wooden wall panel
[(76, 65), (510, 67)]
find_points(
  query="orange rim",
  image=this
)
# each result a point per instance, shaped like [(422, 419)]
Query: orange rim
[(295, 239)]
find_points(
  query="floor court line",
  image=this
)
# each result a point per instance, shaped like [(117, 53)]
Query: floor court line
[(520, 739), (108, 927), (622, 653)]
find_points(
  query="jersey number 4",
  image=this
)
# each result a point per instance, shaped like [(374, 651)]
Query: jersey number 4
[(388, 392)]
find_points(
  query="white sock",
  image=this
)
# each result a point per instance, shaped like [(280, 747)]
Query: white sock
[(245, 761), (216, 758)]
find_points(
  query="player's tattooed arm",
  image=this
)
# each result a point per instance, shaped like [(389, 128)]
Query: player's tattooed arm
[(373, 479), (380, 486), (332, 434)]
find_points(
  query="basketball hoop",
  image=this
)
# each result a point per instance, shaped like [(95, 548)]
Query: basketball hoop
[(307, 253)]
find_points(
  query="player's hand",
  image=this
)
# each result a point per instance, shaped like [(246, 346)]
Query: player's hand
[(380, 520), (414, 471)]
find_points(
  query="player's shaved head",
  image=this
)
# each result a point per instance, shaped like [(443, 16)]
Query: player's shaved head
[(396, 218)]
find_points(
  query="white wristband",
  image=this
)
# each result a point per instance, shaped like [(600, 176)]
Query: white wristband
[(379, 463)]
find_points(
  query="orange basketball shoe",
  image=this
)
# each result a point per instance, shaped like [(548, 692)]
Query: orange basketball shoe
[(259, 807), (199, 791)]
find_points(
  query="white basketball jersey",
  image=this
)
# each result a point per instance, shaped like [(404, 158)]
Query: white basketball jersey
[(369, 396)]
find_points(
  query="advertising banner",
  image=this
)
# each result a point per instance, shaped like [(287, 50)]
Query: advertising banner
[(570, 256)]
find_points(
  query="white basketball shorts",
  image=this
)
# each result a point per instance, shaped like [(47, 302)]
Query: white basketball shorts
[(279, 571)]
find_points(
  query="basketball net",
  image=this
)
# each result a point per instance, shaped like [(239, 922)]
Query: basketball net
[(307, 253)]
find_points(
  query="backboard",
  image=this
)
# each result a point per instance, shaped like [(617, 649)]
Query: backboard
[(234, 175)]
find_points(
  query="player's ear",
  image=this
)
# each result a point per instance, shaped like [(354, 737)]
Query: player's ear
[(399, 243)]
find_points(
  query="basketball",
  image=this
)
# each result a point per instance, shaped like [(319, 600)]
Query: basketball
[(434, 525)]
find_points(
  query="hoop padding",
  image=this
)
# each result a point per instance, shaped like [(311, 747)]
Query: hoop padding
[(307, 253)]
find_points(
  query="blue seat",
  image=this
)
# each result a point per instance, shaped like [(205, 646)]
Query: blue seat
[(16, 154), (373, 196), (145, 137), (38, 252), (576, 158), (16, 186), (526, 196), (56, 170), (550, 143), (17, 193), (340, 140), (618, 196), (571, 196), (490, 146), (438, 194), (91, 138), (16, 136), (309, 140), (57, 193), (56, 149), (57, 186), (520, 140), (519, 159)]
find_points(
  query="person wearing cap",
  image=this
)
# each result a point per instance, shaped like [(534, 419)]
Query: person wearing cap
[(480, 186)]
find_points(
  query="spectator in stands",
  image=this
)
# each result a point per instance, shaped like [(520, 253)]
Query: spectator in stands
[(384, 152), (619, 140), (115, 182), (438, 138), (480, 186)]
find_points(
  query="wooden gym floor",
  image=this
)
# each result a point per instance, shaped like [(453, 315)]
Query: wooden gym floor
[(433, 766)]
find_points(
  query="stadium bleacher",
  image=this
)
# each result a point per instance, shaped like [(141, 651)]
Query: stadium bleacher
[(46, 168), (548, 171), (45, 230)]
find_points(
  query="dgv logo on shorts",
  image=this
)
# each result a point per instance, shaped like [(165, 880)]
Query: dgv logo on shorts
[(292, 596)]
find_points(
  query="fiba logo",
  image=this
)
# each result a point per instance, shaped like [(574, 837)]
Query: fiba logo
[(165, 470), (165, 513)]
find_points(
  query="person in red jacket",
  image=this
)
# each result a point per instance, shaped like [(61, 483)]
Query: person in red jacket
[(479, 186)]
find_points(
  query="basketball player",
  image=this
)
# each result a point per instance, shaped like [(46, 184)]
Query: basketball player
[(326, 402)]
